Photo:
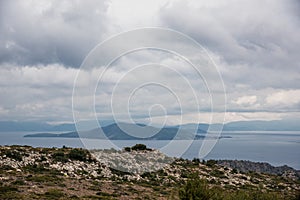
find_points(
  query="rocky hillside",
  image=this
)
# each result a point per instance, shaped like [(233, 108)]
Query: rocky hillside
[(248, 166), (70, 173)]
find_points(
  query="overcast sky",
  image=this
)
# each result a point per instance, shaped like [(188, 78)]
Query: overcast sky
[(255, 44)]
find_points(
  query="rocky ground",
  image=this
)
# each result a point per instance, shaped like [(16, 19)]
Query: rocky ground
[(69, 173)]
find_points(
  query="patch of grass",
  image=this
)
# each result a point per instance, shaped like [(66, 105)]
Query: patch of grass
[(7, 188), (9, 192), (18, 182), (47, 179), (106, 195), (218, 173), (35, 168), (53, 194), (4, 168)]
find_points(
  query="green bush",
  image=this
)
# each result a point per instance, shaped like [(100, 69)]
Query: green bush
[(211, 163), (73, 154), (139, 147), (59, 156), (195, 189), (13, 154), (128, 149), (196, 161), (78, 154)]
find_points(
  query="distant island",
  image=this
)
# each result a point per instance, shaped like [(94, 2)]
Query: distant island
[(114, 132)]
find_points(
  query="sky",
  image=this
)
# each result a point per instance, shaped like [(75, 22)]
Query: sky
[(254, 44)]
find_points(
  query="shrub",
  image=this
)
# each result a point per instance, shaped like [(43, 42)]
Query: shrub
[(128, 149), (139, 147), (78, 154), (211, 163), (196, 160), (198, 189), (13, 155), (59, 156), (195, 189)]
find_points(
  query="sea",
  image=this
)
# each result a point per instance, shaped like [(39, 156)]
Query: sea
[(275, 147)]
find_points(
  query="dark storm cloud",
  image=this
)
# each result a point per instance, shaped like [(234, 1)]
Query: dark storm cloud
[(50, 31)]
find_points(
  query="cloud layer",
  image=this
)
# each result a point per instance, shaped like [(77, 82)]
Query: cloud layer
[(255, 45)]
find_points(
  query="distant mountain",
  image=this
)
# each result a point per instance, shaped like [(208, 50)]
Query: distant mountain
[(257, 125), (201, 128), (114, 132)]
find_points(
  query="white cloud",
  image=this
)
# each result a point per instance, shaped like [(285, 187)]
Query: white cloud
[(284, 98), (36, 76), (246, 100), (247, 116)]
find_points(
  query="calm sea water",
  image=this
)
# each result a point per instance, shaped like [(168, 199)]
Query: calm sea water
[(276, 148)]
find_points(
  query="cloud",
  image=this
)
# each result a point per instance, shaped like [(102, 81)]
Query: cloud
[(255, 45), (246, 100), (284, 99), (255, 42), (36, 92), (46, 32)]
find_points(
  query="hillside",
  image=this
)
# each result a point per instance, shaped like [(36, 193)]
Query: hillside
[(70, 173)]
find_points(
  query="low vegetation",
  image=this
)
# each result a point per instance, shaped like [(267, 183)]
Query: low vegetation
[(198, 189), (73, 173)]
